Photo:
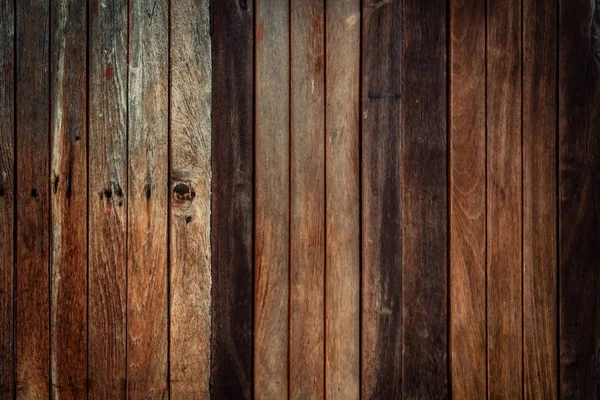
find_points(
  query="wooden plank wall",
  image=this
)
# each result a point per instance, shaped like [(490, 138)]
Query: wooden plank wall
[(299, 199)]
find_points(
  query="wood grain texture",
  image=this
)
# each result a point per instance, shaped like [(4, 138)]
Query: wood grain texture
[(468, 342), (272, 212), (190, 203), (539, 200), (382, 245), (32, 199), (504, 201), (342, 152), (579, 184), (232, 199), (148, 95), (307, 195), (107, 183), (68, 130)]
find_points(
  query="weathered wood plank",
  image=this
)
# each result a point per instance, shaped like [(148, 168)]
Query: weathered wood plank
[(190, 203), (504, 199), (539, 200), (342, 152), (32, 199), (307, 195), (272, 212), (7, 196), (468, 342), (148, 99), (107, 254), (579, 183), (232, 199)]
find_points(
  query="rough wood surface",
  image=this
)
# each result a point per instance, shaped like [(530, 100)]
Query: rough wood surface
[(342, 203), (232, 199), (190, 174), (272, 209)]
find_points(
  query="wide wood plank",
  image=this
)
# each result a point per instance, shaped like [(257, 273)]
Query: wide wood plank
[(307, 199), (190, 202), (468, 342), (148, 97), (579, 163), (382, 245), (7, 195), (539, 200), (107, 254), (342, 152), (32, 199), (272, 212), (232, 199), (68, 297), (504, 199)]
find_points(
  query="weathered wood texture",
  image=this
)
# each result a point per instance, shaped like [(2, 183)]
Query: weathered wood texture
[(190, 173), (232, 199)]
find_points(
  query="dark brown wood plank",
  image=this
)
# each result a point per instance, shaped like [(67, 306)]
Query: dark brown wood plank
[(32, 199), (307, 195), (504, 201), (148, 137), (381, 348), (468, 349), (579, 183), (68, 130), (107, 255), (232, 199), (539, 200), (342, 152), (272, 212), (190, 174), (7, 194)]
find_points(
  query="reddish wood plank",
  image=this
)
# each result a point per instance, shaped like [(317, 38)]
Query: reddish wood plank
[(68, 130), (342, 152), (468, 340), (272, 212), (232, 199), (190, 173)]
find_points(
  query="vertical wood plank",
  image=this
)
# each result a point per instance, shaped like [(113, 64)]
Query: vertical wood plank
[(381, 348), (7, 195), (504, 199), (467, 200), (272, 212), (68, 302), (307, 195), (148, 99), (342, 152), (190, 203), (232, 199), (539, 199), (579, 183), (107, 251), (32, 198)]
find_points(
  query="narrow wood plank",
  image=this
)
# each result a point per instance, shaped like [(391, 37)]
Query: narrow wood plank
[(107, 254), (68, 130), (579, 163), (232, 199), (468, 340), (504, 199), (148, 99), (307, 195), (32, 199), (272, 212), (342, 152), (381, 193), (539, 200), (7, 194), (190, 203)]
